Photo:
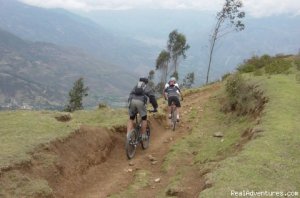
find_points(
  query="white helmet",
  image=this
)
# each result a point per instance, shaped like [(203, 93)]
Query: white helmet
[(173, 79)]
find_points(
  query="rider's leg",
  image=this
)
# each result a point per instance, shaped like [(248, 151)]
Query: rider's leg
[(130, 125), (178, 112), (169, 107), (132, 113), (169, 111), (143, 127)]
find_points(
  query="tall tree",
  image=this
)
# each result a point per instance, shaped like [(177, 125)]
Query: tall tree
[(228, 20), (162, 64), (177, 47), (151, 79), (76, 95)]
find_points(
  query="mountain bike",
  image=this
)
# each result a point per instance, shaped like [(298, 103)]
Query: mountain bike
[(173, 115), (134, 138)]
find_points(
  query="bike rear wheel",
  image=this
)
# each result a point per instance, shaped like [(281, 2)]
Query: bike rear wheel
[(130, 146), (145, 143), (174, 119)]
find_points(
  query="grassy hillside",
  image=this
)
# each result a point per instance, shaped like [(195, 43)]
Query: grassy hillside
[(270, 162)]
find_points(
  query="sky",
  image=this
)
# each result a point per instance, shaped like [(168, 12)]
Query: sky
[(255, 8)]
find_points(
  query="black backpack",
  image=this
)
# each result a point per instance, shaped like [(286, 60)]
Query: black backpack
[(140, 88)]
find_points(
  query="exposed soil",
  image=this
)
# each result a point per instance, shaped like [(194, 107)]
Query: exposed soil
[(92, 161)]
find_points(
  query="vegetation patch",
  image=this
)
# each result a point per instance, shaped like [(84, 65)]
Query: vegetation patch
[(271, 65), (242, 97)]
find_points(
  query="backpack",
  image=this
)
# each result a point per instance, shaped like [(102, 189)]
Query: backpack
[(140, 88)]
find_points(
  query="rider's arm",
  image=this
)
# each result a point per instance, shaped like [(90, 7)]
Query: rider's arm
[(180, 92), (150, 93)]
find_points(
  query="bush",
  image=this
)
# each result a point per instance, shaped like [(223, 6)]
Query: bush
[(297, 63), (254, 63), (246, 68), (225, 76), (242, 97), (102, 105), (278, 66)]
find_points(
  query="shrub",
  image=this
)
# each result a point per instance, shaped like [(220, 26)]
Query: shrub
[(102, 105), (225, 76), (297, 63), (254, 63), (242, 97), (246, 68), (278, 66)]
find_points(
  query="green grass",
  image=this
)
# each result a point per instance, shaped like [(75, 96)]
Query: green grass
[(271, 162), (22, 131)]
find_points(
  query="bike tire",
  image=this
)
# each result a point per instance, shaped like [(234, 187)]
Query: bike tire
[(174, 120), (145, 143), (130, 145)]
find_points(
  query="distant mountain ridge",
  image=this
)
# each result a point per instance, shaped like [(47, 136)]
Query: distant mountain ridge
[(64, 28), (39, 75), (271, 35)]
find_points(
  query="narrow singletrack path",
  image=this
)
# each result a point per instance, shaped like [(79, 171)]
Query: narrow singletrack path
[(117, 172)]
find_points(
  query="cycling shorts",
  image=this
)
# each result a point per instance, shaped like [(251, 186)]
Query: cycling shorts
[(174, 99)]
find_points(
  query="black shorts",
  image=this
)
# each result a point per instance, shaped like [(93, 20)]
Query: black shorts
[(174, 99)]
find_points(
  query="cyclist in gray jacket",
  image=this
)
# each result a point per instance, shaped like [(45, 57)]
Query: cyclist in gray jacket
[(138, 104)]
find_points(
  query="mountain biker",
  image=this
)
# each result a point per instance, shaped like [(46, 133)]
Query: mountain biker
[(137, 104), (172, 93)]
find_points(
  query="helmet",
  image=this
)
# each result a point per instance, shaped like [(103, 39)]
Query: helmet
[(173, 79), (144, 79)]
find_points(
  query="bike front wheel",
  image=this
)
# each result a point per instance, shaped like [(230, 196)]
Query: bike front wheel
[(130, 145)]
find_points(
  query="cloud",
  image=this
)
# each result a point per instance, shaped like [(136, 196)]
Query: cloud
[(272, 7), (257, 8)]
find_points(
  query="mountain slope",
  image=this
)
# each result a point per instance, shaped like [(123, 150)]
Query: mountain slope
[(41, 74), (63, 28)]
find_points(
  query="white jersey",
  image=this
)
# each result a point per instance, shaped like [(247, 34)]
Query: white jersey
[(176, 85), (167, 85)]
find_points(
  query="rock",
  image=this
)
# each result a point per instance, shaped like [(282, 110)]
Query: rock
[(157, 180), (131, 163), (63, 118), (218, 134), (173, 191), (129, 170), (208, 183), (151, 158), (154, 162)]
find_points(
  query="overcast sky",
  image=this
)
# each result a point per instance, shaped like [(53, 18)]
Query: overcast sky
[(256, 8)]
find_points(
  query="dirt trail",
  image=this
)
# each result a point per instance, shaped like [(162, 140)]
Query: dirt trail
[(92, 162), (116, 174)]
